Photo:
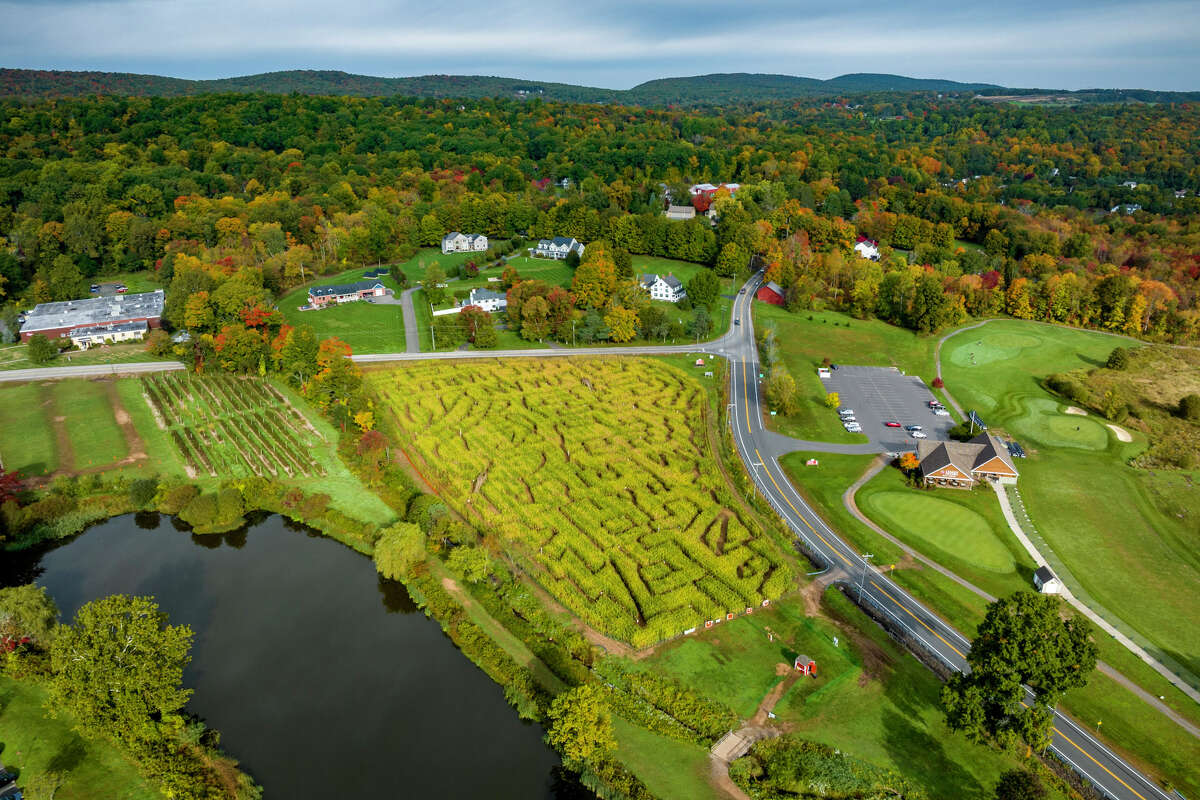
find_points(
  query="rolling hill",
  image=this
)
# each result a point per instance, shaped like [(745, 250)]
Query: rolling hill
[(694, 90)]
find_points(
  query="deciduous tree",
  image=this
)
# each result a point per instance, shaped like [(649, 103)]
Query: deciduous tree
[(400, 548), (581, 725)]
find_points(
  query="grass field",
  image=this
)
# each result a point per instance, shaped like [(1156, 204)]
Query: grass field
[(598, 475), (1120, 530), (366, 327), (15, 356), (938, 524), (91, 423), (26, 437), (31, 744), (737, 661), (668, 767)]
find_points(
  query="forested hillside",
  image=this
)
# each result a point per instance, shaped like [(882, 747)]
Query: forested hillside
[(1082, 216), (700, 89)]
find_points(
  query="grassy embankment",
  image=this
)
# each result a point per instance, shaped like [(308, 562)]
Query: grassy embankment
[(34, 744)]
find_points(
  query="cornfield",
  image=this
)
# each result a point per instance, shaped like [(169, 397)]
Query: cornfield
[(595, 473)]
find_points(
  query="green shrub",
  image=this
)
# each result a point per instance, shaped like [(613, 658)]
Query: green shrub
[(142, 492), (425, 510), (1118, 359), (1189, 407), (172, 499)]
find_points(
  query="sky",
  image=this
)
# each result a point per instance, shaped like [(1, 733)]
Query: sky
[(1059, 44)]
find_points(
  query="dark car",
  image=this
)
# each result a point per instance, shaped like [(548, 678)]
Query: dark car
[(95, 288), (6, 777), (912, 427), (892, 424), (742, 290), (737, 322)]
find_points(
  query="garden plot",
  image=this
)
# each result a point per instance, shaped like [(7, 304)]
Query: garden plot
[(233, 427), (597, 474)]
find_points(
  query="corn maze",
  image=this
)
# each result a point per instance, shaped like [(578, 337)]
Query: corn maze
[(232, 427), (597, 474)]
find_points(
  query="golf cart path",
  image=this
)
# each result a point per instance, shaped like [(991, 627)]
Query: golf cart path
[(1011, 518)]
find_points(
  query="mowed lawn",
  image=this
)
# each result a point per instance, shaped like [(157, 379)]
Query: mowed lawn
[(936, 525), (33, 744), (26, 438), (737, 661), (1128, 535), (366, 327), (668, 767), (86, 409)]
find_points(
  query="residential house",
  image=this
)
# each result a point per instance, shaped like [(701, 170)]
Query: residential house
[(487, 300), (1126, 208), (1046, 582), (663, 287), (867, 248), (87, 336), (771, 292), (680, 212), (558, 247), (55, 320), (321, 296), (963, 464), (455, 242), (708, 190)]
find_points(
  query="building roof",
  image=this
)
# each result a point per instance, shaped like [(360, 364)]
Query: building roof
[(775, 287), (115, 327), (93, 311), (337, 289), (470, 236), (681, 211), (670, 280), (479, 295), (1043, 575), (967, 457)]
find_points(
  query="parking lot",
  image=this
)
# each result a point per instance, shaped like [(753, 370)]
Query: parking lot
[(883, 394)]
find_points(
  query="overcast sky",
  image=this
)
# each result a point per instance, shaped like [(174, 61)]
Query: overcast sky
[(1068, 44)]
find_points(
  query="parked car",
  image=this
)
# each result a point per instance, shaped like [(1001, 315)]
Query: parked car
[(856, 428), (121, 289), (892, 424), (849, 421), (912, 427), (941, 412), (94, 288), (920, 435), (846, 412)]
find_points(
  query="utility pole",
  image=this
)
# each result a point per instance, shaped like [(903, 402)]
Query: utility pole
[(432, 335), (572, 332), (863, 575)]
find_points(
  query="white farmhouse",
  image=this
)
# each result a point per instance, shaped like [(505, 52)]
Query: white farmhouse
[(455, 242), (487, 300), (662, 287), (867, 248), (557, 248)]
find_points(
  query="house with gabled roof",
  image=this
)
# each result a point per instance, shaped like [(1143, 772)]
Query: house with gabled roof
[(963, 464), (320, 296), (558, 247), (663, 287), (455, 242)]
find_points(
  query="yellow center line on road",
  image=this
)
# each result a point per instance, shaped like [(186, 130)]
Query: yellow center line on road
[(837, 552), (918, 619)]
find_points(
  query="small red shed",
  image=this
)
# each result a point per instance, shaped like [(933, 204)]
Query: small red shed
[(805, 666), (770, 292)]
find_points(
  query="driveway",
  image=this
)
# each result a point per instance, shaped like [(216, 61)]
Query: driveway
[(883, 394)]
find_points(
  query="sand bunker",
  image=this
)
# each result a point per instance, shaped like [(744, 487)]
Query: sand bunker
[(1121, 433), (1074, 410)]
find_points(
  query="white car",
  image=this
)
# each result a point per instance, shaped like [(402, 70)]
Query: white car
[(919, 435), (855, 428), (941, 412), (846, 412)]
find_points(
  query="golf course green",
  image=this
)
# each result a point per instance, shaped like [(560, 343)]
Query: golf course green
[(940, 525)]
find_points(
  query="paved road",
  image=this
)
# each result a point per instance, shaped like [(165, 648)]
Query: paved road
[(412, 339), (88, 371), (1112, 776)]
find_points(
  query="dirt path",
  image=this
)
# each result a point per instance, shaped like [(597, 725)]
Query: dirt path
[(62, 441), (135, 448)]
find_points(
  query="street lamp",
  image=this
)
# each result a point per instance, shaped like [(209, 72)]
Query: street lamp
[(862, 576)]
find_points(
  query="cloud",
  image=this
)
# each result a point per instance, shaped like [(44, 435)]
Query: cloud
[(1062, 44)]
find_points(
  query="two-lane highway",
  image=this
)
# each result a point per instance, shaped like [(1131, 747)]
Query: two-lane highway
[(1107, 771)]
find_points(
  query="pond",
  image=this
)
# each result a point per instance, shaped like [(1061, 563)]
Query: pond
[(322, 677)]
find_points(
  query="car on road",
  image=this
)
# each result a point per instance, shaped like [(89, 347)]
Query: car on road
[(919, 435), (742, 290), (912, 427), (737, 322), (892, 424)]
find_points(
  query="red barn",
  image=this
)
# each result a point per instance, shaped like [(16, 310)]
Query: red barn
[(771, 293), (805, 665)]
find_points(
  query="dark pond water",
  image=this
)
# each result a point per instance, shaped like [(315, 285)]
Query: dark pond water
[(322, 678)]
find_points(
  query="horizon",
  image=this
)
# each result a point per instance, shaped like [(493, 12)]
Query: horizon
[(1062, 45)]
